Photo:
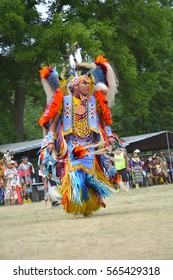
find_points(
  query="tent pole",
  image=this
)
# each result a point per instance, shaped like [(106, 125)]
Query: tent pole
[(167, 139)]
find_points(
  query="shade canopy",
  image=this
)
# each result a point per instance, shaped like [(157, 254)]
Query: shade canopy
[(150, 142), (145, 142), (20, 147)]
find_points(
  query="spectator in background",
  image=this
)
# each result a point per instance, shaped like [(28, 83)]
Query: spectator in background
[(121, 162), (32, 168), (165, 170), (11, 195), (156, 167), (25, 171), (136, 169)]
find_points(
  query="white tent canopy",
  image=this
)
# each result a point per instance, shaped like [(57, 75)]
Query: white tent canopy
[(145, 142), (20, 147), (150, 142)]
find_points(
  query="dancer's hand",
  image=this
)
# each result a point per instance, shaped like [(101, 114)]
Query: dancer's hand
[(111, 141), (51, 147)]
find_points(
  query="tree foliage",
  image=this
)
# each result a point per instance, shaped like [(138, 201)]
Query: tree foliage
[(135, 36), (20, 57)]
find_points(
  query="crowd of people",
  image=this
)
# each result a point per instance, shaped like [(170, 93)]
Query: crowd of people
[(158, 168), (15, 181), (136, 171), (124, 172)]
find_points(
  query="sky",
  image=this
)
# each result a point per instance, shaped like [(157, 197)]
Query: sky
[(42, 8)]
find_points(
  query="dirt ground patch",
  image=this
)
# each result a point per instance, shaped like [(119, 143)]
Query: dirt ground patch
[(134, 225)]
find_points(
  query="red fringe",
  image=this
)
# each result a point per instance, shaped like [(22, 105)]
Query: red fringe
[(106, 113), (45, 71), (52, 108)]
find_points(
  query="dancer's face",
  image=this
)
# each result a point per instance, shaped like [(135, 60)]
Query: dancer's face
[(83, 87)]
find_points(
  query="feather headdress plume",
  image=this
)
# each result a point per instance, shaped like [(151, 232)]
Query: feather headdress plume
[(104, 84), (49, 80), (105, 79), (77, 53)]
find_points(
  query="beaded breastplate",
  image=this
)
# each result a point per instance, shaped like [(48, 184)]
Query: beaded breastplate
[(78, 118)]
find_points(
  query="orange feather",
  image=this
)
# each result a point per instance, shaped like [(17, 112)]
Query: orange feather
[(45, 71), (106, 113), (101, 59), (52, 108)]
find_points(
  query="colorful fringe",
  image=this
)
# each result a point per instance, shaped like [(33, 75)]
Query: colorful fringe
[(83, 193)]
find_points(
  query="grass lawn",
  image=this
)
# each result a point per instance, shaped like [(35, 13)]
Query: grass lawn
[(134, 225)]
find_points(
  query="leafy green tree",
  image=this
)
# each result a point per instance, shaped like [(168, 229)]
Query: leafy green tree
[(20, 55), (136, 37), (152, 49)]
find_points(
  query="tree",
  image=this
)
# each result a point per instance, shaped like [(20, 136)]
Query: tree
[(20, 55), (136, 37)]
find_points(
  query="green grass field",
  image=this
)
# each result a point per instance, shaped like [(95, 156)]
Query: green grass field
[(134, 225)]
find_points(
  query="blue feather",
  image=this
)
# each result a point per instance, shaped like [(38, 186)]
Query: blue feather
[(97, 186), (79, 189), (52, 78), (82, 182), (103, 162), (49, 165), (112, 172), (98, 74)]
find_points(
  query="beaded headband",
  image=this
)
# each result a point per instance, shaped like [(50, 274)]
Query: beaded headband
[(76, 80)]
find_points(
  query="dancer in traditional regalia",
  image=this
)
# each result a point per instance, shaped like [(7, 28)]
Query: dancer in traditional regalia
[(77, 122)]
